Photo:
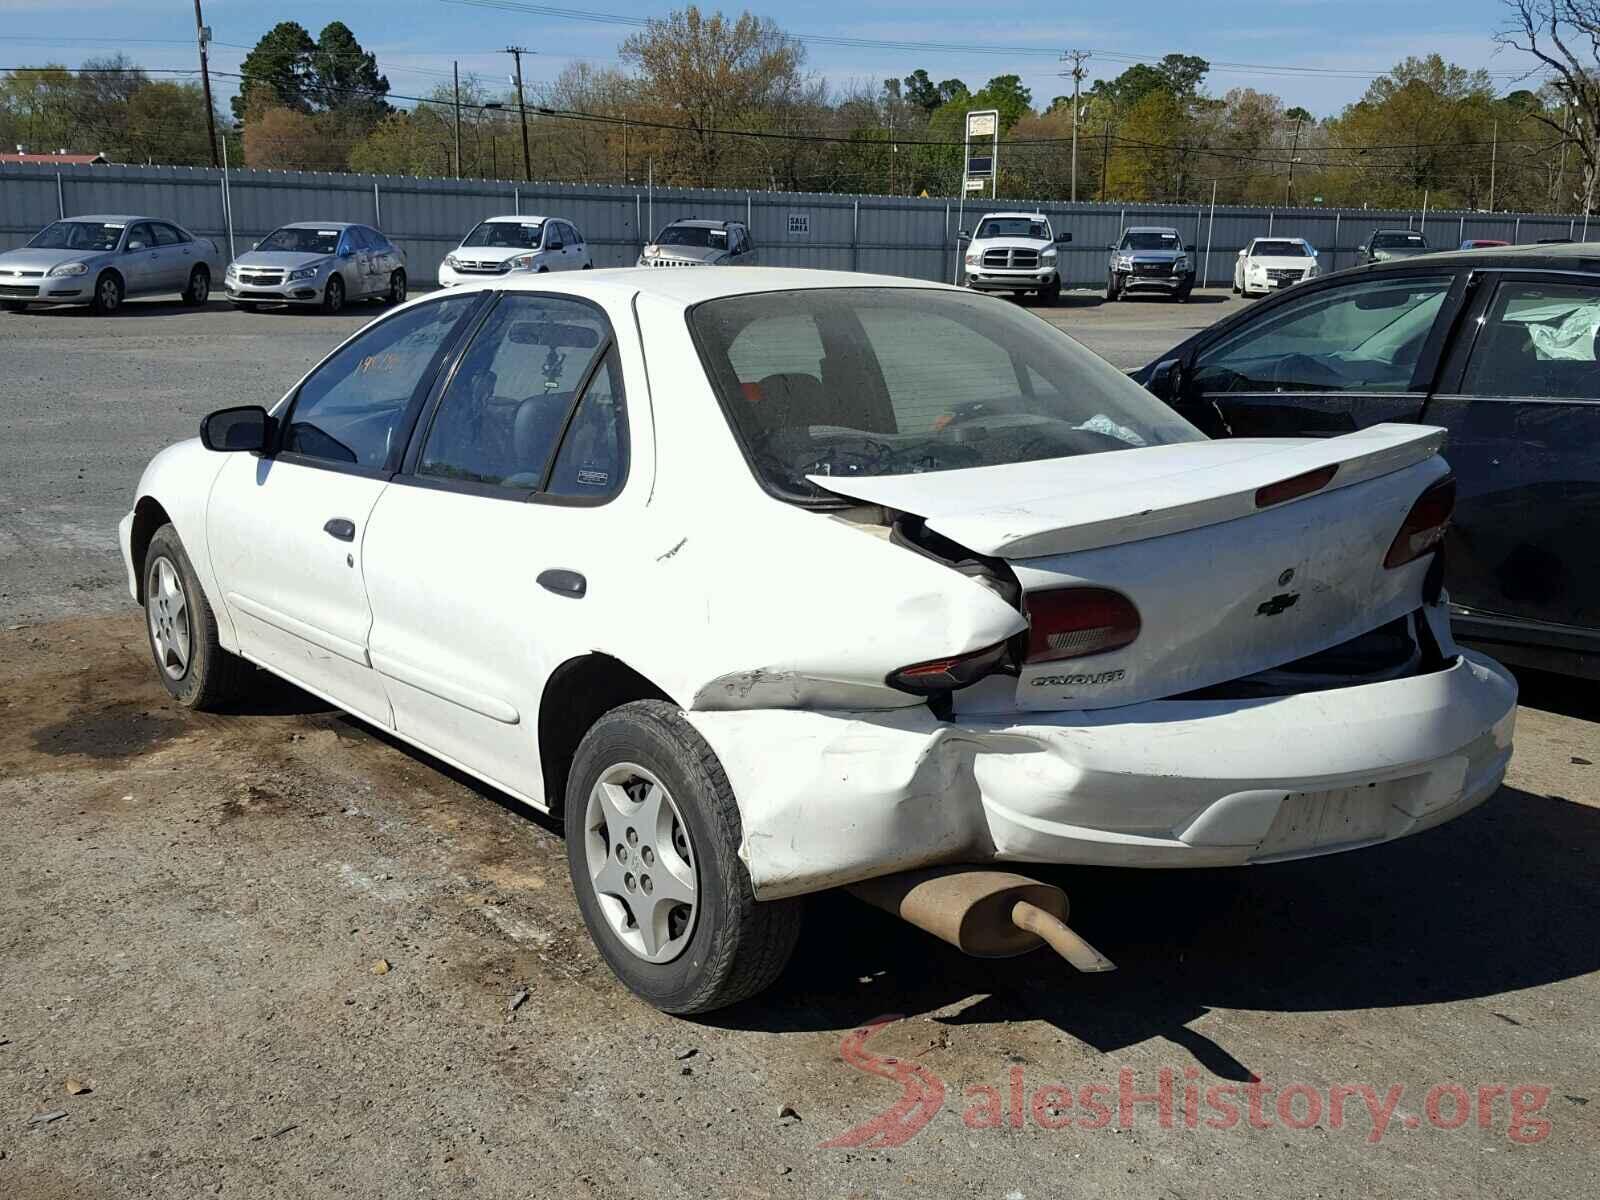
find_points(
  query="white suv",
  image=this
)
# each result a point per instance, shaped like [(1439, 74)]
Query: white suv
[(500, 245), (1014, 252)]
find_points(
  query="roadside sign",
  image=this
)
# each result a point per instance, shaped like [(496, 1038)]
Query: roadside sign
[(976, 185), (982, 124), (800, 224), (980, 165), (981, 151)]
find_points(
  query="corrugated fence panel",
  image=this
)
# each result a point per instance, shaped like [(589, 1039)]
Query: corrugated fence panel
[(888, 234)]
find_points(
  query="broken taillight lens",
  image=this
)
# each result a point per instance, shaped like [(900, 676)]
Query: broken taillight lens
[(1424, 525), (1078, 621), (948, 674)]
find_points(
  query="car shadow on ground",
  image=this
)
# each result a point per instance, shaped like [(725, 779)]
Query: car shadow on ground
[(130, 308), (1505, 898), (1564, 694)]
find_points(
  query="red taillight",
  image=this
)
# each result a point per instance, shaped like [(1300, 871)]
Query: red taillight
[(1078, 621), (1424, 525), (948, 674), (1295, 486)]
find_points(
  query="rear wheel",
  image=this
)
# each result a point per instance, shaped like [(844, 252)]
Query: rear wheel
[(333, 295), (653, 837), (107, 294), (199, 289), (193, 666)]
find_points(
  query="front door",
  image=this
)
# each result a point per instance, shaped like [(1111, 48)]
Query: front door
[(287, 530), (1522, 407), (1325, 362), (140, 262), (510, 480)]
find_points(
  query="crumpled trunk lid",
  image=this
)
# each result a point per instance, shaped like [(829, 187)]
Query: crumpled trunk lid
[(1224, 588)]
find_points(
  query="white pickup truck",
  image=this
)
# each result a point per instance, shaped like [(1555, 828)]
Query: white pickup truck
[(1014, 252)]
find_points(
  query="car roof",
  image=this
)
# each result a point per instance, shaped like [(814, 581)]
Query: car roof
[(113, 218), (1150, 229), (702, 223), (518, 219), (1397, 229), (319, 224), (687, 288), (1032, 216)]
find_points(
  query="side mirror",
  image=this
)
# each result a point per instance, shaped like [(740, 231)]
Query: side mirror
[(1063, 238), (1112, 246), (255, 245), (1166, 380), (247, 427), (963, 236), (132, 246)]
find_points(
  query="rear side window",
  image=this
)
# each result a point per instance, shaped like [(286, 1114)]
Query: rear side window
[(350, 410), (1366, 336), (1538, 339), (166, 235), (514, 395)]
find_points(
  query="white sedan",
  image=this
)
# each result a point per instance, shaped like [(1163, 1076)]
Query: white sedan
[(778, 581), (1268, 264)]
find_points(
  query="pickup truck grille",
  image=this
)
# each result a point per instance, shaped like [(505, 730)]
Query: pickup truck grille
[(1020, 259)]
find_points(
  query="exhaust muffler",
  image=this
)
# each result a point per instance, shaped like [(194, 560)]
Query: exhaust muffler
[(987, 914)]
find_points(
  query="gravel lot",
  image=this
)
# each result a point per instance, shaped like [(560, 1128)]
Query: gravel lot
[(286, 956)]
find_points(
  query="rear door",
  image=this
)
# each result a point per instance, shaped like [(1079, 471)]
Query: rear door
[(1520, 397), (1326, 361), (176, 256)]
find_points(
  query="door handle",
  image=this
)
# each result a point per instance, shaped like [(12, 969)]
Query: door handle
[(564, 583), (340, 528)]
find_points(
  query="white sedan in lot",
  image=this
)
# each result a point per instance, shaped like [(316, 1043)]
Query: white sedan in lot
[(778, 581), (1267, 264)]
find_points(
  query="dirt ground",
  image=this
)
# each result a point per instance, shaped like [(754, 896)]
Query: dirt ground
[(287, 957)]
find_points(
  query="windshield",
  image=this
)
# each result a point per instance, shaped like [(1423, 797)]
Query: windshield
[(78, 235), (692, 235), (1399, 241), (1151, 241), (1280, 250), (1017, 227), (894, 381), (508, 234), (301, 241)]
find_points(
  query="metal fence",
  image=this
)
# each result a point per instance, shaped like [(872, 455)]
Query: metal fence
[(893, 235)]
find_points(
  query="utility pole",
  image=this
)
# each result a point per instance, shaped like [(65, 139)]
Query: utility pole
[(1494, 153), (203, 35), (516, 53), (455, 70), (1076, 58), (1288, 197)]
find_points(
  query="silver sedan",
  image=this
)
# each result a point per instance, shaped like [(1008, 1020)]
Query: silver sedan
[(318, 263), (102, 260)]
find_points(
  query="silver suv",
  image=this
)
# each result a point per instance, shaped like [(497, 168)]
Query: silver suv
[(1149, 258), (693, 242)]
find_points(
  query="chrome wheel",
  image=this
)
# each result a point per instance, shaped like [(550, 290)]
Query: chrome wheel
[(110, 294), (641, 865), (199, 287), (397, 288), (167, 610)]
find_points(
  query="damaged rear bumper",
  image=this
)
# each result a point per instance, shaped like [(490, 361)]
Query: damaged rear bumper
[(830, 798)]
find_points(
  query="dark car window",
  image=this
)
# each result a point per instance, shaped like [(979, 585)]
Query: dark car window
[(78, 235), (1366, 336), (893, 381), (168, 235), (1538, 339), (693, 235), (1399, 241), (508, 402), (301, 241), (141, 237), (350, 408), (576, 234), (593, 460), (361, 238)]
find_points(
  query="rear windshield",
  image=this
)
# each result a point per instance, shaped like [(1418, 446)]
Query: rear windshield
[(78, 235), (1281, 250), (692, 235), (895, 381), (301, 241), (1017, 227), (509, 234), (1151, 241), (1396, 241)]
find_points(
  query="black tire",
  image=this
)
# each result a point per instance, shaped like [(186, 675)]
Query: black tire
[(1184, 293), (246, 306), (738, 945), (199, 289), (333, 296), (210, 677), (397, 288), (14, 306), (588, 266), (1237, 290), (108, 294), (1052, 294)]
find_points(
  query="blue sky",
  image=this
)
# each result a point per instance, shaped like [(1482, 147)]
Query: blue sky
[(416, 40)]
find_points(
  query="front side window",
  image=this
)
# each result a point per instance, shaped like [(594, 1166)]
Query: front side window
[(78, 235), (1538, 339), (1017, 227), (141, 236), (1362, 337), (1399, 241), (500, 421), (350, 410), (892, 381), (292, 240)]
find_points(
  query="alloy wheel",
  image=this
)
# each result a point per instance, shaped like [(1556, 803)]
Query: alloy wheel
[(167, 610), (641, 864)]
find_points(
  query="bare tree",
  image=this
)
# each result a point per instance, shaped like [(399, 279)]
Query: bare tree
[(1564, 35)]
